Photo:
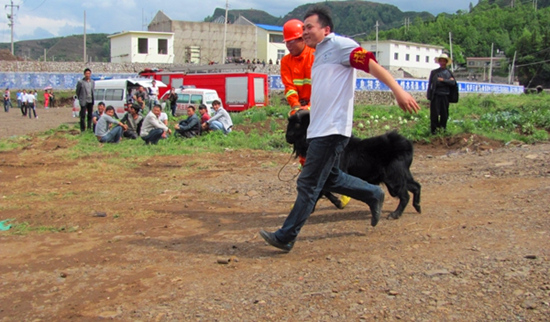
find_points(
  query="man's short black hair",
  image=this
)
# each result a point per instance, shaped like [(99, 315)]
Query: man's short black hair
[(100, 103), (202, 107), (323, 14), (191, 107), (109, 108), (87, 70), (216, 102), (158, 105)]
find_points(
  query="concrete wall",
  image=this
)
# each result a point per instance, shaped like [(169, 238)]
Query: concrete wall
[(209, 37), (120, 49)]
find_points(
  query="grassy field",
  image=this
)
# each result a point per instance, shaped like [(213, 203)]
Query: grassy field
[(503, 118)]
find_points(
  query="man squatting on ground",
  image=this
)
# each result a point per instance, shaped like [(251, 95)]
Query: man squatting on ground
[(103, 130), (221, 119), (331, 118), (134, 121), (190, 127), (153, 129)]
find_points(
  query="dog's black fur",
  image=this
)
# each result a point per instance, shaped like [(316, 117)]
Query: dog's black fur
[(382, 159)]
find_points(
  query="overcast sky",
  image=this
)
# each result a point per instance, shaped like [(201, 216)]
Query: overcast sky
[(35, 19)]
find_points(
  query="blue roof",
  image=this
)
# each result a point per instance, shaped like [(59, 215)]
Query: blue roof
[(270, 27)]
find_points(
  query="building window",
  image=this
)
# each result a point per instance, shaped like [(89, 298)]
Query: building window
[(142, 46), (427, 59), (234, 52), (407, 57), (280, 54), (163, 46), (396, 56), (417, 58), (276, 38)]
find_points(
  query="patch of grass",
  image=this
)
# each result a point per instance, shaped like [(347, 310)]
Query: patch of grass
[(501, 117), (25, 228), (7, 145), (504, 118)]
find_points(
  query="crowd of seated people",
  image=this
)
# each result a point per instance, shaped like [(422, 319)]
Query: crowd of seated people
[(154, 126)]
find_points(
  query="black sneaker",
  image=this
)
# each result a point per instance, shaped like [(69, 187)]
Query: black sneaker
[(273, 241), (376, 209)]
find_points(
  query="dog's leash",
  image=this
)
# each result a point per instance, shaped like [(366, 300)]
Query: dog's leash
[(282, 168)]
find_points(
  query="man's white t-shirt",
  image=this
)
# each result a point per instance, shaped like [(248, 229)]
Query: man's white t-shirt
[(332, 88)]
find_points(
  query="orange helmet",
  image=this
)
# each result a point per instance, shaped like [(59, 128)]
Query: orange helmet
[(293, 29)]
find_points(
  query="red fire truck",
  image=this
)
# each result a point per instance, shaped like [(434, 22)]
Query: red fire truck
[(238, 91)]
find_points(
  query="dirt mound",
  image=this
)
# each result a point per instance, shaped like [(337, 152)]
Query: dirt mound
[(5, 54)]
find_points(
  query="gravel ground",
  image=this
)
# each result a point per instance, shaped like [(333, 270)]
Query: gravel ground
[(13, 123)]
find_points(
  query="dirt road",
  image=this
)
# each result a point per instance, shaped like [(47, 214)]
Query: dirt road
[(179, 240), (13, 123)]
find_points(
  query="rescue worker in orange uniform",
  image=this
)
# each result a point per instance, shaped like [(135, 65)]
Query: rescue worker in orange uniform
[(296, 66)]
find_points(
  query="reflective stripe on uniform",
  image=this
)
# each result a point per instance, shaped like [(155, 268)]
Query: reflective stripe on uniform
[(301, 82), (291, 92)]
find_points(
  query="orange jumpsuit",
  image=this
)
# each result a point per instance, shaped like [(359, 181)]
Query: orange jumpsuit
[(296, 76)]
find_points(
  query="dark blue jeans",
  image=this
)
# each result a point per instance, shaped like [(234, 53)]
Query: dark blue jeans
[(113, 136), (153, 137), (321, 172), (173, 108)]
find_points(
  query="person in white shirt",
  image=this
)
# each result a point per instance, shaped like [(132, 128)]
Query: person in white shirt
[(24, 102), (163, 118), (153, 129), (153, 94), (31, 102), (331, 120)]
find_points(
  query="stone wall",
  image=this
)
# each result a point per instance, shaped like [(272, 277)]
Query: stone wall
[(113, 68), (365, 97)]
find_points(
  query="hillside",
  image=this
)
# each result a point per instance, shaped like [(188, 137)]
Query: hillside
[(350, 17), (68, 48), (521, 31)]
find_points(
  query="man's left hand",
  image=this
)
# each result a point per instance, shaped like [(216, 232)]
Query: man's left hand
[(406, 102)]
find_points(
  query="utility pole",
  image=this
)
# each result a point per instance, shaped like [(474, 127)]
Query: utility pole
[(376, 52), (84, 57), (511, 74), (10, 24), (224, 51), (407, 24), (451, 47), (491, 65), (142, 19)]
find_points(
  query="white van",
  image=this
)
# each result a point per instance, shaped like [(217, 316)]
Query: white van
[(118, 92), (191, 96)]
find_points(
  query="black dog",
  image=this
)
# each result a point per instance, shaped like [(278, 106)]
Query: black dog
[(382, 159)]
